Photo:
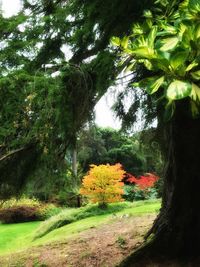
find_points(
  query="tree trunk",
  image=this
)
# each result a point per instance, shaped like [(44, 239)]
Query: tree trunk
[(178, 226), (75, 174), (176, 231), (74, 161)]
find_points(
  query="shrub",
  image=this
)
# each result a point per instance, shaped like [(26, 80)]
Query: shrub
[(25, 210), (48, 210), (23, 201), (19, 214), (129, 193), (103, 184), (144, 181), (141, 188)]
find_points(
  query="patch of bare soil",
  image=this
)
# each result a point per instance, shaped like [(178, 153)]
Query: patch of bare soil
[(102, 246)]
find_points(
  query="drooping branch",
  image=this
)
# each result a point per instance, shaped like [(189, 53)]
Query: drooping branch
[(11, 153)]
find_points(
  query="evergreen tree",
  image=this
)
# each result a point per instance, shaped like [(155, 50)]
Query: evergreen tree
[(46, 95)]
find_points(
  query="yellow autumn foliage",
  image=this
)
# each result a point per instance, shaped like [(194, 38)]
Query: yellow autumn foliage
[(103, 184)]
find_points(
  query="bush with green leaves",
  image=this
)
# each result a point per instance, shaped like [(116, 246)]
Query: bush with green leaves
[(134, 193), (46, 211), (22, 201)]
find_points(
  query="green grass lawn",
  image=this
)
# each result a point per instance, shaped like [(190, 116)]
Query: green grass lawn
[(74, 228), (15, 237)]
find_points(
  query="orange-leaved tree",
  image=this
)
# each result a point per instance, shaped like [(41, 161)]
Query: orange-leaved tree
[(103, 184)]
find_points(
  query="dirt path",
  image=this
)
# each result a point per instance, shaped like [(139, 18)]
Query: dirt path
[(102, 246)]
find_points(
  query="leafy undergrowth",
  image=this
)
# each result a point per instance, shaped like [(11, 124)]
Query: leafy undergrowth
[(120, 230)]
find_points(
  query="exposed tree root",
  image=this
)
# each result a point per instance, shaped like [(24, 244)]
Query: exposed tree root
[(156, 253)]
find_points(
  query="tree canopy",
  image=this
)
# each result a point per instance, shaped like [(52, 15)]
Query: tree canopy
[(138, 153), (162, 44), (56, 63)]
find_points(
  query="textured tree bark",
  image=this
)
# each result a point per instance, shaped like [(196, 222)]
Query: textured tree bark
[(176, 231), (75, 173), (74, 161), (178, 225)]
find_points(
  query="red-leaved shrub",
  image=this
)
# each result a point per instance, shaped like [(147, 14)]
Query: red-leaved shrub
[(19, 214), (144, 181)]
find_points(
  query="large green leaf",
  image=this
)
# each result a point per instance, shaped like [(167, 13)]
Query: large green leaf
[(197, 31), (194, 6), (148, 14), (148, 64), (154, 84), (151, 84), (144, 52), (152, 36), (137, 29), (169, 43), (115, 41), (195, 93), (178, 59), (124, 42), (178, 90), (196, 75), (192, 65), (169, 110), (168, 29), (160, 62)]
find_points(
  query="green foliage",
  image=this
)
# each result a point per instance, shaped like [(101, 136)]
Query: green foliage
[(137, 153), (100, 146), (48, 210), (46, 96), (28, 133), (134, 193), (151, 151), (167, 45), (59, 187), (23, 201), (91, 147), (129, 194)]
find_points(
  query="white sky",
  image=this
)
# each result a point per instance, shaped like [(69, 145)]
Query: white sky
[(10, 7), (104, 116)]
